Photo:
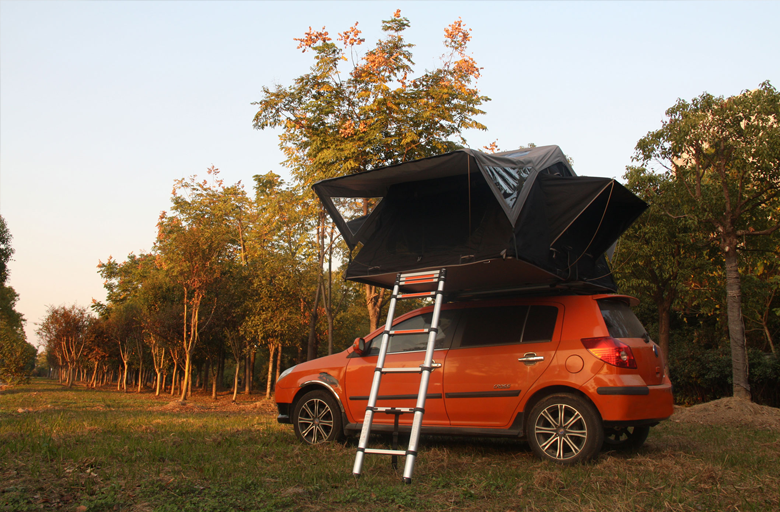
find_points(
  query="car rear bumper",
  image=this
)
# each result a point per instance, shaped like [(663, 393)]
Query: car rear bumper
[(631, 403)]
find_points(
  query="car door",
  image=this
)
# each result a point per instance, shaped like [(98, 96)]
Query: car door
[(498, 352), (401, 389)]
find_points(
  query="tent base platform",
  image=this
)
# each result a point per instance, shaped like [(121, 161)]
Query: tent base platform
[(492, 277)]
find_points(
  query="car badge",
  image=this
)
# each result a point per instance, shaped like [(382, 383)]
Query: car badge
[(655, 350)]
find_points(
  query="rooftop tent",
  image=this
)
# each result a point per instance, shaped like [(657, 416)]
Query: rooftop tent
[(514, 220)]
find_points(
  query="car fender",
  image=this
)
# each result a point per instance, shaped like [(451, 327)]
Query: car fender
[(305, 387)]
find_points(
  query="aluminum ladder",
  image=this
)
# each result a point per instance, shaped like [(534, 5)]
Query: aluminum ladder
[(428, 279)]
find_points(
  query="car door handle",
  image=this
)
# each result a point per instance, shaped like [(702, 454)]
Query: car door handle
[(531, 357)]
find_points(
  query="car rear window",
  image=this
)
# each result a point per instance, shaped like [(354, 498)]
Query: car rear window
[(621, 321), (508, 325)]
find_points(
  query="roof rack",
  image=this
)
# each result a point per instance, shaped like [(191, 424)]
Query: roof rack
[(571, 288)]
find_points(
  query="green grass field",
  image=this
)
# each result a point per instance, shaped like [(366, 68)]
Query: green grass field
[(84, 450)]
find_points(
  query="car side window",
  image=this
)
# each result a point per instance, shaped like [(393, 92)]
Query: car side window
[(410, 342), (493, 326), (540, 325), (508, 325)]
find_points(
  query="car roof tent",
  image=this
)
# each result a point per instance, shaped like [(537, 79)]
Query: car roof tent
[(516, 220)]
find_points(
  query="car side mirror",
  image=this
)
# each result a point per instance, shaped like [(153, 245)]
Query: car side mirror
[(359, 346)]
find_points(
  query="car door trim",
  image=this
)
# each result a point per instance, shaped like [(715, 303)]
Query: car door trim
[(429, 396), (484, 394)]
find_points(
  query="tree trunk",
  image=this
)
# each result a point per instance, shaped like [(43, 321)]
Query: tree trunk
[(246, 374), (374, 301), (252, 361), (235, 379), (278, 365), (765, 321), (93, 381), (221, 369), (158, 383), (173, 377), (140, 373), (271, 348), (329, 296), (124, 379), (214, 372), (311, 346), (739, 359), (187, 377)]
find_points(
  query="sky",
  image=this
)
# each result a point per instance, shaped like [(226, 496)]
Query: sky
[(103, 105)]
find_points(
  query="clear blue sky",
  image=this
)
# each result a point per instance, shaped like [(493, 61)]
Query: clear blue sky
[(104, 104)]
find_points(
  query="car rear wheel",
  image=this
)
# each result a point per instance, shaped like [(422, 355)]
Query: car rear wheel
[(625, 438), (316, 418), (565, 429)]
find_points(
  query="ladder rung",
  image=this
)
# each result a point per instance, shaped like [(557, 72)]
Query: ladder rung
[(415, 295), (401, 370), (394, 409), (379, 451), (425, 273), (409, 331), (417, 281)]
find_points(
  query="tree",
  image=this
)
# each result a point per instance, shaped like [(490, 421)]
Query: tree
[(65, 331), (192, 244), (726, 155), (6, 251), (373, 115), (17, 357), (659, 255)]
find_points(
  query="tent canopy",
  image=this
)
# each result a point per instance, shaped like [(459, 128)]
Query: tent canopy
[(517, 219)]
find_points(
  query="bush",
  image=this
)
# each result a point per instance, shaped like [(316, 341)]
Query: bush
[(700, 374)]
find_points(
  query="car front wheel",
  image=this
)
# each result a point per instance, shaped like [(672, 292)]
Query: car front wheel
[(316, 418), (565, 429)]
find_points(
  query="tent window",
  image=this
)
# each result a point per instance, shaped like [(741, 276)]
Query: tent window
[(421, 218), (351, 210), (509, 181)]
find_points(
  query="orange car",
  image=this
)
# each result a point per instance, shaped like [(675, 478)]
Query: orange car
[(571, 373)]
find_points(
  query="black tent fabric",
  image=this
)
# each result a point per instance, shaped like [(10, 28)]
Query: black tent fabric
[(519, 220)]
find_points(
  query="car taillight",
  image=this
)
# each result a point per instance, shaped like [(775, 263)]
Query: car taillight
[(611, 351)]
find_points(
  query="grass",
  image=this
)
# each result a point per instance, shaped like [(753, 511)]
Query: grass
[(84, 450)]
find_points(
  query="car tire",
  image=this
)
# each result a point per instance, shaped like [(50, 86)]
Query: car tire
[(565, 429), (625, 438), (317, 418)]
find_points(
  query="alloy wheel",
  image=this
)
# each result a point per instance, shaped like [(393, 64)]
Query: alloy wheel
[(561, 431), (315, 421)]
